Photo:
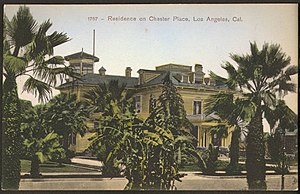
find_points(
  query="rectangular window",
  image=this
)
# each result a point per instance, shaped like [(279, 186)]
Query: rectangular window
[(138, 103), (195, 133), (197, 107)]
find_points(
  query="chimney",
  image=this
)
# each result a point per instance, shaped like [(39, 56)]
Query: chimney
[(199, 75), (128, 71), (102, 71)]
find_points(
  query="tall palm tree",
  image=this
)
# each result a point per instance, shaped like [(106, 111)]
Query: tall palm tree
[(17, 34), (261, 75), (27, 50)]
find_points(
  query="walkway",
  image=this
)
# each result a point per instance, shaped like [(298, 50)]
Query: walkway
[(97, 164), (189, 182), (192, 180), (87, 162)]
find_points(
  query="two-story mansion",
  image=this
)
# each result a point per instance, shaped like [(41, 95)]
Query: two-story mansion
[(193, 86)]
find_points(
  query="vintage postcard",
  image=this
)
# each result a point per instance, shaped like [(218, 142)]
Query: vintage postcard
[(150, 97)]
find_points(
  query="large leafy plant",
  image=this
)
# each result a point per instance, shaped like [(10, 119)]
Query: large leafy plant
[(40, 141)]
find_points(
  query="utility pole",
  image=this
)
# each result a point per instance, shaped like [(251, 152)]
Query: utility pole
[(81, 67)]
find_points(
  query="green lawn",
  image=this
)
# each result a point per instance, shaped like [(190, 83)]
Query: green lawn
[(52, 167)]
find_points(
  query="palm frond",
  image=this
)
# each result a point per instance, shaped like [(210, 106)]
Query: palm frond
[(38, 88), (42, 44), (55, 60), (41, 156), (21, 28), (286, 87), (245, 109), (14, 64), (51, 136), (232, 81), (274, 61), (6, 48), (222, 103), (219, 80), (183, 139), (58, 38), (152, 138), (268, 97), (291, 70)]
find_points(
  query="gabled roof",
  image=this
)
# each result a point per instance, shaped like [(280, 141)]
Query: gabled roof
[(81, 55)]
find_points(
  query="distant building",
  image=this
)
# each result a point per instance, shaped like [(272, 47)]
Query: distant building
[(193, 86)]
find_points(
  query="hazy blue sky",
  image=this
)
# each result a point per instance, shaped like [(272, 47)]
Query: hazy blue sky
[(146, 44)]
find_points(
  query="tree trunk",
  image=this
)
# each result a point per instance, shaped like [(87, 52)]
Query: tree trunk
[(255, 152), (66, 142), (35, 167), (11, 134), (234, 153)]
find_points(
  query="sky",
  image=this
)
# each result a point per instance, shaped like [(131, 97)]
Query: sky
[(219, 31)]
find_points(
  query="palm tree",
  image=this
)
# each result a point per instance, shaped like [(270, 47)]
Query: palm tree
[(281, 117), (233, 112), (27, 50), (107, 99), (101, 96), (262, 75), (32, 54), (20, 29)]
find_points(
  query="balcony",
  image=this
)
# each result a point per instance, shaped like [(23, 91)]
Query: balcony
[(203, 118)]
